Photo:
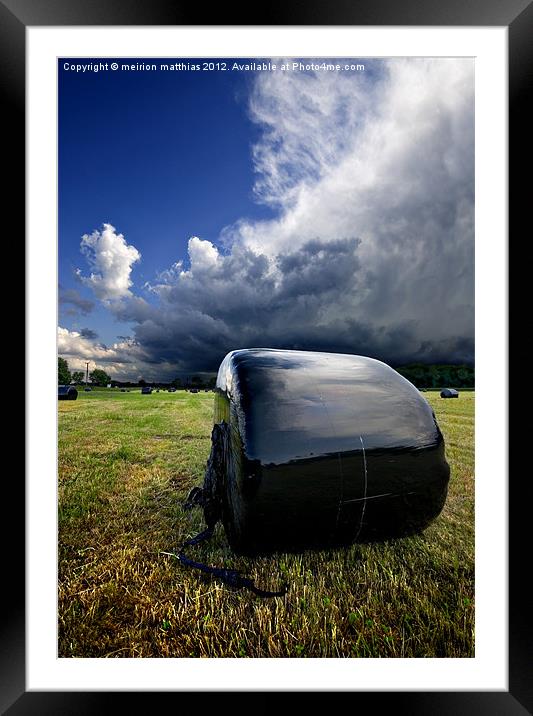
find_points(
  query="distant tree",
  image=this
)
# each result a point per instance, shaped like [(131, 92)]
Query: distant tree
[(212, 382), (77, 376), (63, 373), (439, 376), (142, 382), (465, 375), (196, 381), (177, 383), (99, 377)]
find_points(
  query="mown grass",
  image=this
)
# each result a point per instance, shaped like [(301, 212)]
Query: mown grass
[(126, 463)]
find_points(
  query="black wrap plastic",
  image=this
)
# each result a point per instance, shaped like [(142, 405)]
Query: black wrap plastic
[(66, 392), (313, 449), (449, 393)]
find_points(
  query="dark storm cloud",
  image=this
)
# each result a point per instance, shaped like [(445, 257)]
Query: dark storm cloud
[(305, 299), (72, 297), (88, 333)]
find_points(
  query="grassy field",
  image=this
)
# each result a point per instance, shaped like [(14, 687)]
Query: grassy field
[(127, 461)]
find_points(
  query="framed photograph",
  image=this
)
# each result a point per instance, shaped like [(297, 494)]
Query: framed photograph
[(327, 182)]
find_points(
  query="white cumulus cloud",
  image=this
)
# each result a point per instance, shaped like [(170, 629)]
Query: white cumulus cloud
[(124, 360), (111, 260), (202, 254)]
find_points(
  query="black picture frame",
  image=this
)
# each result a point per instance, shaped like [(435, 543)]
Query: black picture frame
[(517, 16)]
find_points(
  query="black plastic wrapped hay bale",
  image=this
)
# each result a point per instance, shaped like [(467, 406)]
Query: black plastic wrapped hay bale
[(66, 392), (449, 393), (317, 449)]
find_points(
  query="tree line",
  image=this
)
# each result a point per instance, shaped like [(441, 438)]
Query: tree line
[(100, 378), (435, 376), (438, 376), (66, 377)]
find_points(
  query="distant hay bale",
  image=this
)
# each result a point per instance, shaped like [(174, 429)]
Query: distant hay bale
[(449, 393), (66, 392)]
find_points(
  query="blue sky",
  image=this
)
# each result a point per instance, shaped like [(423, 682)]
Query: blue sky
[(162, 156), (314, 209)]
